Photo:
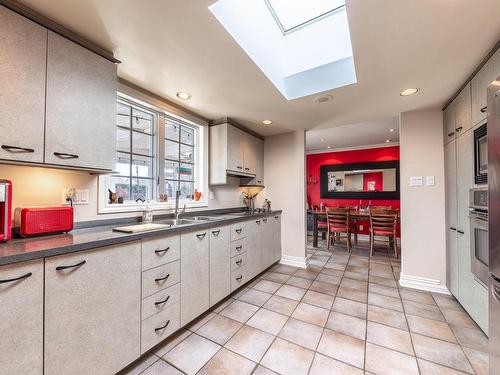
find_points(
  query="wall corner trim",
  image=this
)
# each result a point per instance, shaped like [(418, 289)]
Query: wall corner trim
[(294, 261), (421, 283)]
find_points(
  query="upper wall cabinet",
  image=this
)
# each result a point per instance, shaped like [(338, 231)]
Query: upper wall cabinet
[(236, 153), (81, 101), (489, 72), (22, 87), (463, 120)]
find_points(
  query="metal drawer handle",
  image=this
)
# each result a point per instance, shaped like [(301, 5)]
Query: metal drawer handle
[(162, 278), (238, 248), (238, 262), (29, 274), (162, 302), (264, 220), (161, 252), (60, 268), (459, 129), (453, 228), (216, 232), (63, 155), (460, 232), (276, 217), (201, 235), (258, 222), (239, 278), (451, 134), (239, 167), (484, 109), (17, 149), (247, 169), (239, 230), (162, 327)]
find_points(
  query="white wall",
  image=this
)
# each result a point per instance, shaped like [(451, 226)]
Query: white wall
[(284, 177), (423, 240)]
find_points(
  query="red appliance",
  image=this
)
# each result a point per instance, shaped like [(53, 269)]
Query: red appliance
[(34, 221), (5, 210)]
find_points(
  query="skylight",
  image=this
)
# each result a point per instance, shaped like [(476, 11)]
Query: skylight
[(302, 46), (291, 14)]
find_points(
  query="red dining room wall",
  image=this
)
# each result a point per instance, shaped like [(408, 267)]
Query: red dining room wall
[(314, 161)]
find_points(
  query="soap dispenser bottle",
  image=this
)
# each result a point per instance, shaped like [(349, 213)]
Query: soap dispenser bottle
[(147, 214)]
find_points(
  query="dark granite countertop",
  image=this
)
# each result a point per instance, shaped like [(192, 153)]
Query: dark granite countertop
[(24, 249)]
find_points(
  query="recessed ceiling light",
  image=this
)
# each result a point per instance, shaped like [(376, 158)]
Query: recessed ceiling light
[(323, 99), (267, 122), (409, 92), (392, 130), (322, 139), (387, 141), (328, 146), (183, 95)]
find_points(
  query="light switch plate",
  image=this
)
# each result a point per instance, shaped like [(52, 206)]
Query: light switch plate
[(430, 181), (416, 181)]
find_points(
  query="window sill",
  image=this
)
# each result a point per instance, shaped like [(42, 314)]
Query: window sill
[(155, 206)]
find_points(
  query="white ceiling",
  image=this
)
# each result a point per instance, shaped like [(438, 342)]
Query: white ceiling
[(178, 45), (358, 135)]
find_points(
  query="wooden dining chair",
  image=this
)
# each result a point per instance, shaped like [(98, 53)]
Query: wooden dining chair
[(353, 222), (338, 224), (383, 223), (323, 226), (378, 208)]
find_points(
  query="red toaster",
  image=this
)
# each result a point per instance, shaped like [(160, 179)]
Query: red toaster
[(35, 221)]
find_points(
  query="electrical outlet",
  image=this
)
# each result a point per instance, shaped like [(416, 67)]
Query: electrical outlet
[(78, 196), (361, 227)]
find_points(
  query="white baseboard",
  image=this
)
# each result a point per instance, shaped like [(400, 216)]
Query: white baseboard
[(294, 261), (421, 283)]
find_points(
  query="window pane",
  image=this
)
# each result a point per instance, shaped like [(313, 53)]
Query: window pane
[(186, 172), (142, 144), (121, 186), (123, 115), (142, 189), (142, 121), (122, 140), (171, 170), (187, 189), (171, 150), (171, 130), (142, 166), (122, 165), (187, 153), (170, 188), (187, 135)]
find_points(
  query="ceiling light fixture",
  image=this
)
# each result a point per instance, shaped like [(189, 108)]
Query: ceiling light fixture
[(183, 95), (322, 139), (328, 146), (387, 141), (323, 99), (392, 130), (409, 92), (267, 122)]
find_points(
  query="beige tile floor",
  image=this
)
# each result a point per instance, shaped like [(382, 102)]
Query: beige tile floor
[(345, 314)]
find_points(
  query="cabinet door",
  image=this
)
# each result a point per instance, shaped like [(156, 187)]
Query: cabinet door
[(481, 304), (250, 154), (465, 181), (254, 248), (93, 311), (463, 120), (81, 106), (451, 216), (267, 239), (194, 275), (23, 46), (21, 317), (449, 123), (480, 83), (220, 268), (277, 237), (235, 149), (259, 156)]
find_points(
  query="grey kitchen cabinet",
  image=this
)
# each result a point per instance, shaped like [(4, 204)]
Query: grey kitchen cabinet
[(276, 237), (258, 151), (195, 278), (80, 107), (236, 144), (267, 242), (449, 123), (21, 318), (250, 154), (463, 115), (93, 310), (220, 268), (451, 216), (23, 46), (161, 250), (488, 73), (254, 248)]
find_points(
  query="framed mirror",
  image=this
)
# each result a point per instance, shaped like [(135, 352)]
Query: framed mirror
[(372, 180)]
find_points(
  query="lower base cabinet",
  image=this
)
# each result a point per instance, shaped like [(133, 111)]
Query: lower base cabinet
[(220, 268), (267, 242), (277, 237), (93, 310), (21, 318)]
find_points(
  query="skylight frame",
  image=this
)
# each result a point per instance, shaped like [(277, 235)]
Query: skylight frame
[(303, 24)]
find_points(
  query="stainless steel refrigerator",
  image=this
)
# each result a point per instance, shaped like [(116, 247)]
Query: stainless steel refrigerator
[(494, 222)]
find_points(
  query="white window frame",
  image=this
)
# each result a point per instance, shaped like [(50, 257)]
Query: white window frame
[(140, 99)]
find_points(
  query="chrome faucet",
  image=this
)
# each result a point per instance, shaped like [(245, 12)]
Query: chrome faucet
[(177, 213)]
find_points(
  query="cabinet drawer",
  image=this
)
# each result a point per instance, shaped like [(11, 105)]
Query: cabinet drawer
[(159, 278), (238, 277), (158, 251), (238, 261), (238, 247), (160, 301), (238, 231), (158, 327)]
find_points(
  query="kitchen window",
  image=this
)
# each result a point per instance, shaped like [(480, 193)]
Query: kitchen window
[(157, 153)]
